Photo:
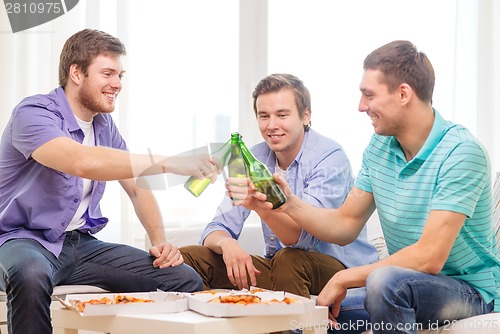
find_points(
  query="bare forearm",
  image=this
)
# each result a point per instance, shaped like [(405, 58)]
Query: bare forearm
[(103, 163), (97, 162), (282, 225), (149, 214), (411, 257), (325, 224), (214, 240)]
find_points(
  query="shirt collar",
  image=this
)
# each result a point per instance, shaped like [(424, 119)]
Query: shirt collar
[(439, 128)]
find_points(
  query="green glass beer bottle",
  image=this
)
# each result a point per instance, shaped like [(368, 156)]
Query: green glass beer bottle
[(196, 186), (236, 166), (262, 178)]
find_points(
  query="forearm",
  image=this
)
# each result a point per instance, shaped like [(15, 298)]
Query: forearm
[(282, 225), (104, 163), (97, 163), (411, 257), (149, 214), (325, 224), (215, 240)]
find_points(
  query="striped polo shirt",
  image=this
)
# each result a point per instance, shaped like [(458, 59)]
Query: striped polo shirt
[(450, 172)]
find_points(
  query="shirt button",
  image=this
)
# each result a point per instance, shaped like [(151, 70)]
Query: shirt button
[(272, 238), (75, 200), (63, 223)]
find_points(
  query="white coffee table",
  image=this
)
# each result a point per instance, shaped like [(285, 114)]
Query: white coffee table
[(68, 322)]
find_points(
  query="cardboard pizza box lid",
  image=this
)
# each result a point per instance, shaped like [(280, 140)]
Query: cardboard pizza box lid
[(272, 303), (163, 302)]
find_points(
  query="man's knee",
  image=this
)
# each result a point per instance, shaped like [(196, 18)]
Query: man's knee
[(289, 257), (35, 277), (194, 253), (288, 272), (207, 264), (385, 283), (193, 280)]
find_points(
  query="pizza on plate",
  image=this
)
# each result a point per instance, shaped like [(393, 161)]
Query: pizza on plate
[(248, 299), (236, 299)]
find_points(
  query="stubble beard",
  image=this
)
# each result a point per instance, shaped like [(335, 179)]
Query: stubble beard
[(91, 104)]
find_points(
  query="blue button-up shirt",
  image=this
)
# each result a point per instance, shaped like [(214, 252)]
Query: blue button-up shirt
[(38, 202), (320, 175)]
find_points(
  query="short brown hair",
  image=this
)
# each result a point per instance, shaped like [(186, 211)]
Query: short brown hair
[(83, 47), (278, 81), (401, 62)]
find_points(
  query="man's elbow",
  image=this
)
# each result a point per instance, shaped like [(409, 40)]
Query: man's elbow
[(86, 168), (346, 240), (433, 265)]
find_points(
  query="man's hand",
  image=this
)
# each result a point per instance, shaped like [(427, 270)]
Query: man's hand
[(248, 196), (283, 185), (239, 189), (238, 264), (166, 255), (199, 166), (332, 294), (243, 192)]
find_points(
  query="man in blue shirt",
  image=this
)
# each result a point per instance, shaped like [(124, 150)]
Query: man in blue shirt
[(430, 181), (319, 173), (56, 153)]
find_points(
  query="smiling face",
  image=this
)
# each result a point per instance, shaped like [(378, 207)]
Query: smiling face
[(383, 107), (98, 89), (280, 123)]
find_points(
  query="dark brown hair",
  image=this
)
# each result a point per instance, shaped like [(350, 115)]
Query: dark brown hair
[(401, 62), (83, 47), (279, 81)]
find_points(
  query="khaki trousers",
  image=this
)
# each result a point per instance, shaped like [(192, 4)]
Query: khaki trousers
[(292, 270)]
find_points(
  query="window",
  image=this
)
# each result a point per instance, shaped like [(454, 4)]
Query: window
[(180, 93), (325, 42)]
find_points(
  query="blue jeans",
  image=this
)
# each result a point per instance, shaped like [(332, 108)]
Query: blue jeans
[(402, 300), (29, 272), (353, 318)]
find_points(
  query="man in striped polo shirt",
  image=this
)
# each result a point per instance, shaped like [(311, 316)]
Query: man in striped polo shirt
[(430, 181)]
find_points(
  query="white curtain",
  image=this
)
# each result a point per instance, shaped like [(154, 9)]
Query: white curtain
[(477, 72), (225, 66)]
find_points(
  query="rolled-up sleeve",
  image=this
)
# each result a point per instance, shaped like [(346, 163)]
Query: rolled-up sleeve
[(228, 218)]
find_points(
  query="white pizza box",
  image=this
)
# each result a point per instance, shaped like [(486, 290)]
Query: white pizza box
[(164, 302), (200, 302)]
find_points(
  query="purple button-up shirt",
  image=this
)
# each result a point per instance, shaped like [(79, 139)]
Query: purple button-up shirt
[(38, 202)]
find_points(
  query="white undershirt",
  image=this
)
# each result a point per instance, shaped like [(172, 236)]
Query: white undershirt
[(281, 172), (88, 140)]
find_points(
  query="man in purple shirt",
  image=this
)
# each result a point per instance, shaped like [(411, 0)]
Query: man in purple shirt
[(56, 153)]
